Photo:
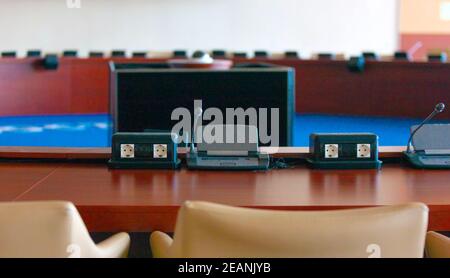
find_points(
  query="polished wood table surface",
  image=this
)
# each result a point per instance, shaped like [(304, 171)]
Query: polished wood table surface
[(146, 200)]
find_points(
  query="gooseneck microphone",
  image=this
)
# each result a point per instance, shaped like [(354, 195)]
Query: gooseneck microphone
[(197, 115), (438, 109)]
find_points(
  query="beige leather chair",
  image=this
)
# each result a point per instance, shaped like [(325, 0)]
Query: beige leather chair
[(437, 246), (212, 230), (52, 229)]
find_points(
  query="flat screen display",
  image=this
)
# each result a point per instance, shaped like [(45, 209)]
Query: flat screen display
[(145, 99)]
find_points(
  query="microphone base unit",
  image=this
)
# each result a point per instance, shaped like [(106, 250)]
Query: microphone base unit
[(431, 147), (423, 161)]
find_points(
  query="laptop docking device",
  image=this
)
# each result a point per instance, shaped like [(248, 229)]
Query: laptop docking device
[(230, 155)]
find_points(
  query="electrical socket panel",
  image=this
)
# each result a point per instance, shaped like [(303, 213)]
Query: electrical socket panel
[(344, 151), (144, 150)]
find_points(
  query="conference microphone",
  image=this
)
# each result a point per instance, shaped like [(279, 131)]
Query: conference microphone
[(197, 115), (438, 109)]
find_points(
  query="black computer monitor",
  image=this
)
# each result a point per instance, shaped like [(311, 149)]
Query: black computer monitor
[(144, 99)]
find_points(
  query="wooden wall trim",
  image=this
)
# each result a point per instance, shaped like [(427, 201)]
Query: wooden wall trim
[(105, 153)]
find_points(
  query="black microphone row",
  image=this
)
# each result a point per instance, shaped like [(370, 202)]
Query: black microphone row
[(175, 54), (218, 54)]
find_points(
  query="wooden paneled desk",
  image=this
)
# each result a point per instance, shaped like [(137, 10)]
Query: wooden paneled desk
[(145, 200)]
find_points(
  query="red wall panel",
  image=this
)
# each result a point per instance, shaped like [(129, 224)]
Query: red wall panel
[(78, 86)]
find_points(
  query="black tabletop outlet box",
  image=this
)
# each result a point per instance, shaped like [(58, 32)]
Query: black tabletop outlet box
[(344, 151), (148, 150)]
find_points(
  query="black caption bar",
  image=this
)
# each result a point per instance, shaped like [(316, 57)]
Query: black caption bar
[(228, 267)]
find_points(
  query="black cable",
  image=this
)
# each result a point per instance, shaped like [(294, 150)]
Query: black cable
[(284, 163)]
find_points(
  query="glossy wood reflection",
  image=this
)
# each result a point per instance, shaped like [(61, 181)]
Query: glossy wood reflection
[(15, 178), (143, 200)]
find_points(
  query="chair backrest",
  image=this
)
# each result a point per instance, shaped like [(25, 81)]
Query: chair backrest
[(211, 230), (43, 229), (437, 246)]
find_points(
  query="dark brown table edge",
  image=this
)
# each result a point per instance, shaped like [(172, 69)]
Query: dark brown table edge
[(105, 153)]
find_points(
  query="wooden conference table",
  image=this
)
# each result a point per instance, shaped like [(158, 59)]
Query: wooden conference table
[(146, 200)]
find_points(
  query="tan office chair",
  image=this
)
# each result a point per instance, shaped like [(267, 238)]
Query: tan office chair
[(211, 230), (52, 229), (437, 246)]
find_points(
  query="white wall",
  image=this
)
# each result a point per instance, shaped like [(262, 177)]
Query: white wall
[(348, 26)]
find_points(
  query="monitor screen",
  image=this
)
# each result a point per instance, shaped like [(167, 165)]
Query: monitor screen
[(158, 99)]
